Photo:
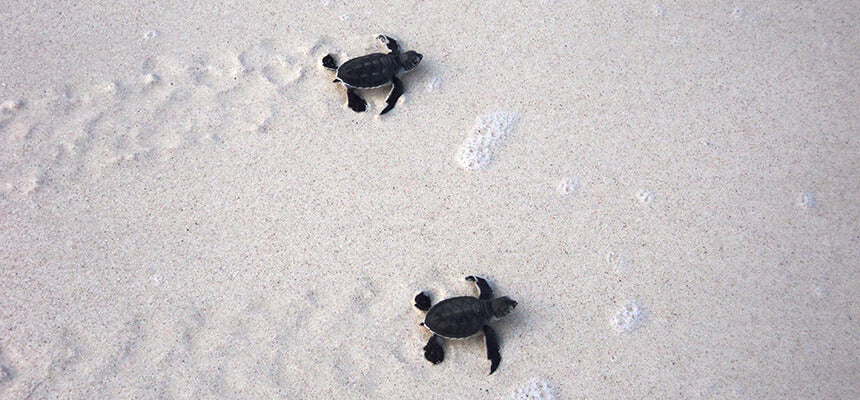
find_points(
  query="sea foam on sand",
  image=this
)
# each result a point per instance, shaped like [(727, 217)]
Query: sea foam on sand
[(536, 389), (488, 134)]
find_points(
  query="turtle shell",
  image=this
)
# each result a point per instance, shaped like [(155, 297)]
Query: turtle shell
[(458, 317), (368, 71)]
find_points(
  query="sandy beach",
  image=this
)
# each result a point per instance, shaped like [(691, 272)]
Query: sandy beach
[(189, 209)]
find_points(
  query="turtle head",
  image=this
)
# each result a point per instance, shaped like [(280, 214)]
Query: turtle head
[(409, 59), (503, 306)]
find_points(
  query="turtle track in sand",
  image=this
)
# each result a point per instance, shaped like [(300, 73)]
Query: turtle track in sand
[(80, 130)]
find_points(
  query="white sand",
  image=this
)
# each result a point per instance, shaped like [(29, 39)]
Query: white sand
[(188, 209)]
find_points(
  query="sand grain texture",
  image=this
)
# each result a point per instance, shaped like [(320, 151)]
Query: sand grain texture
[(189, 210)]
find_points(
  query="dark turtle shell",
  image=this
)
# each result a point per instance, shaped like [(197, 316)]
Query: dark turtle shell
[(458, 317), (368, 71)]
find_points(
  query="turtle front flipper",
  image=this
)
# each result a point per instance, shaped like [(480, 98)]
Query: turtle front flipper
[(433, 351), (355, 102), (393, 95), (422, 301), (329, 63), (390, 43), (484, 289), (492, 342)]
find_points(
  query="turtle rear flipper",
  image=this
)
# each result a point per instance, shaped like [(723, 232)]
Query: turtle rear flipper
[(329, 63), (433, 351), (422, 301), (355, 102)]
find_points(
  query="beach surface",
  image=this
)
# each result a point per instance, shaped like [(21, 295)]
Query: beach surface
[(188, 209)]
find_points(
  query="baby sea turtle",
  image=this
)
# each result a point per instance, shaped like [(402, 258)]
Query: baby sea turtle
[(461, 317), (372, 71)]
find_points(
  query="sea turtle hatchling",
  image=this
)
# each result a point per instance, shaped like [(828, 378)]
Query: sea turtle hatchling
[(372, 71), (461, 317)]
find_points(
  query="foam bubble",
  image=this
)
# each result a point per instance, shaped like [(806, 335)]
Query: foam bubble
[(434, 84), (150, 34), (488, 134), (629, 318), (644, 196), (568, 186), (806, 200), (536, 389)]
